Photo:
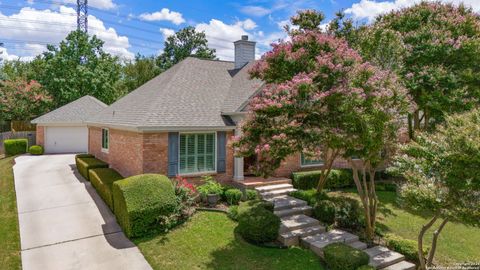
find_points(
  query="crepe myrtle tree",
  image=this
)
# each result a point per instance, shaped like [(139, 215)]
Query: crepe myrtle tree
[(435, 49), (23, 100), (442, 172), (319, 94)]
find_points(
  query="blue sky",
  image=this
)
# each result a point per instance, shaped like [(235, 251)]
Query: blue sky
[(129, 27)]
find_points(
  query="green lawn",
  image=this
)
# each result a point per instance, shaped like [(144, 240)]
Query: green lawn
[(9, 235), (457, 242), (208, 241)]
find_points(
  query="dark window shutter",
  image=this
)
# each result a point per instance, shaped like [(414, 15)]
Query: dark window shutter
[(173, 138), (221, 151)]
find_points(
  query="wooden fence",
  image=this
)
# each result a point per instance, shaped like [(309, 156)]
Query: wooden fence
[(30, 135)]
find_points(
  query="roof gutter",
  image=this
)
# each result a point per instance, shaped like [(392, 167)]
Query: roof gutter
[(148, 129)]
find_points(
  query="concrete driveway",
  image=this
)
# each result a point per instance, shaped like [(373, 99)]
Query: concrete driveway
[(64, 224)]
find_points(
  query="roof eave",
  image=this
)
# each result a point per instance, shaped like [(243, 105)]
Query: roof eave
[(149, 129)]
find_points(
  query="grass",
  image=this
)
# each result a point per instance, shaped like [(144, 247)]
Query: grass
[(457, 242), (208, 241), (9, 235)]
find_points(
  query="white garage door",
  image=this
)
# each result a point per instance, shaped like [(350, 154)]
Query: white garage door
[(66, 139)]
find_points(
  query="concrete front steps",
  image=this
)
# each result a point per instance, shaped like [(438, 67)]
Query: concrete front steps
[(298, 228), (272, 191)]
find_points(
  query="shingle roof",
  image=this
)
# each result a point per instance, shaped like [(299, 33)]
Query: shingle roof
[(191, 94), (76, 111)]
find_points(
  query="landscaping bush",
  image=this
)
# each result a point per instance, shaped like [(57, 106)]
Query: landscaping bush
[(251, 194), (407, 247), (140, 201), (339, 256), (347, 212), (185, 194), (336, 179), (233, 196), (233, 212), (15, 146), (257, 223), (36, 150), (324, 211), (102, 179), (311, 196), (86, 164)]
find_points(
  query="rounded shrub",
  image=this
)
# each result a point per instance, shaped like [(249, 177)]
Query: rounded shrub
[(251, 194), (257, 223), (407, 247), (324, 211), (347, 212), (36, 150), (339, 256), (15, 146), (233, 196), (140, 201)]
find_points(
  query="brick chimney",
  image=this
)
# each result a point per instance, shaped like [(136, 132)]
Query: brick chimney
[(244, 51)]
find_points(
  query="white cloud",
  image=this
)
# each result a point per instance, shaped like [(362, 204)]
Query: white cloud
[(166, 32), (248, 24), (221, 37), (100, 4), (54, 26), (256, 11), (369, 9), (163, 15)]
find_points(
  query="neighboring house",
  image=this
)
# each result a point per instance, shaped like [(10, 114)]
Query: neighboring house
[(181, 122), (64, 130)]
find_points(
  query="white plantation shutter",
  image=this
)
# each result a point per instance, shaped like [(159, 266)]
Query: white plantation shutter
[(197, 153)]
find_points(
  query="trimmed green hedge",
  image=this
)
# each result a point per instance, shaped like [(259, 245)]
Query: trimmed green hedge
[(140, 200), (36, 150), (407, 247), (86, 164), (15, 146), (336, 179), (256, 222), (79, 156), (102, 179), (339, 256)]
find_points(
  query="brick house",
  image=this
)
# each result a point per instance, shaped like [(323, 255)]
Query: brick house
[(180, 122)]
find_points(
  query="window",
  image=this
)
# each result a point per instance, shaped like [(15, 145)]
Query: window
[(197, 153), (105, 139), (310, 162)]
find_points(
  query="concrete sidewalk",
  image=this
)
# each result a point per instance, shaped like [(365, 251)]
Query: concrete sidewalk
[(64, 224)]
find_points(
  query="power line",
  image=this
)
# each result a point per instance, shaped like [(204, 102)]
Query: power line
[(131, 18)]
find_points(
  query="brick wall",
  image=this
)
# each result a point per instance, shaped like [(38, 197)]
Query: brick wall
[(132, 153), (125, 153), (40, 136)]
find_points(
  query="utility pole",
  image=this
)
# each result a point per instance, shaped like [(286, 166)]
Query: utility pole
[(82, 15)]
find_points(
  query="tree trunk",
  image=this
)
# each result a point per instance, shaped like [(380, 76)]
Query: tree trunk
[(433, 247), (331, 155), (416, 120), (367, 194), (420, 241)]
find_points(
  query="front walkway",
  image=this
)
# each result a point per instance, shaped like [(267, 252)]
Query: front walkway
[(64, 224)]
